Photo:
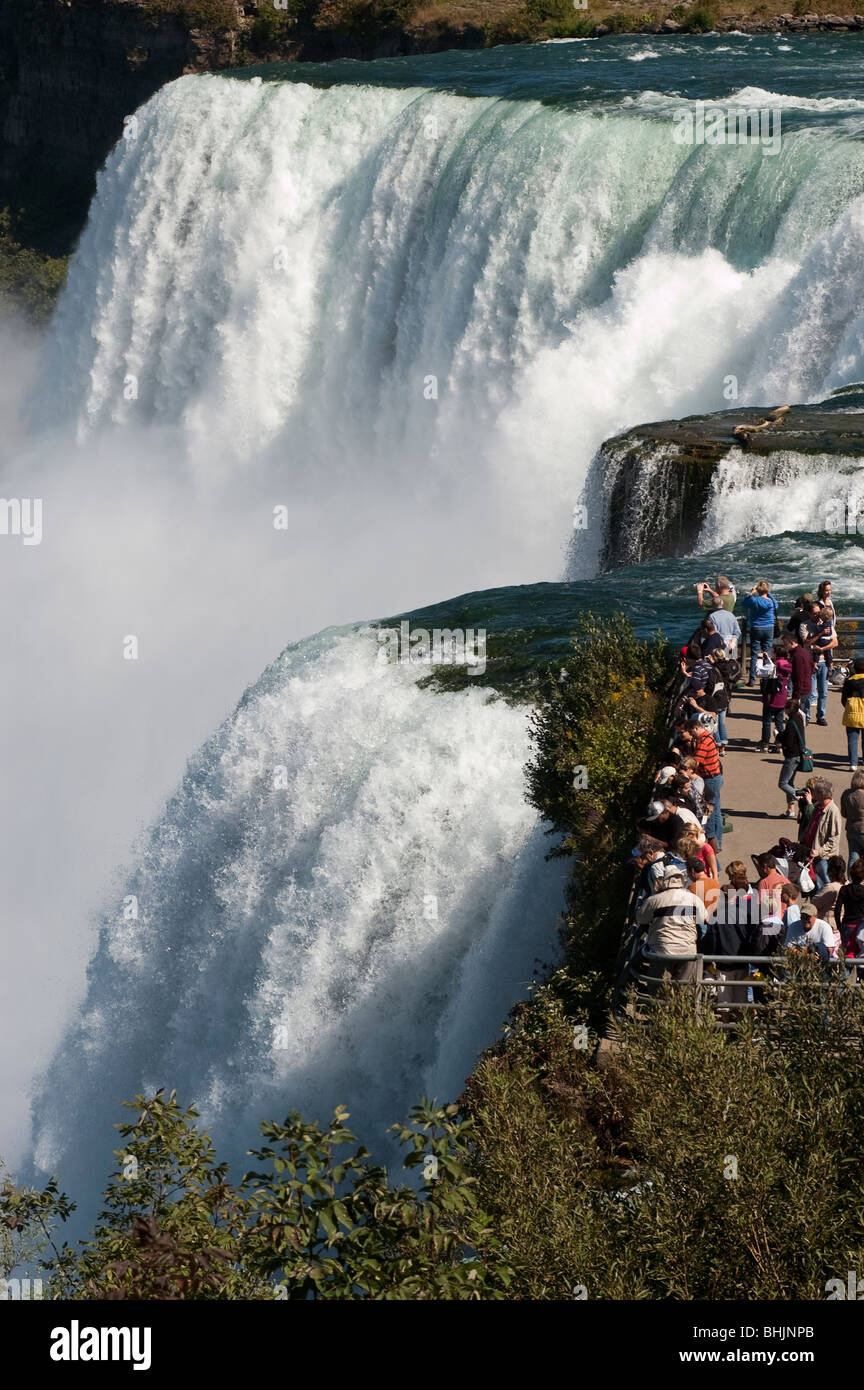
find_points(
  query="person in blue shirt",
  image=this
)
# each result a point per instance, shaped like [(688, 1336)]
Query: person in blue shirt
[(760, 606)]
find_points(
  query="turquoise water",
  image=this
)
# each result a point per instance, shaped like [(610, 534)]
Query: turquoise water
[(659, 595), (615, 69)]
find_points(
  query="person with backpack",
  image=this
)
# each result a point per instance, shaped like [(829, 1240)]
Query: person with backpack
[(674, 918), (760, 607), (852, 699), (728, 669), (793, 745), (775, 693)]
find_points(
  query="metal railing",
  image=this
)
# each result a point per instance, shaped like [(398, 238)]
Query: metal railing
[(760, 983)]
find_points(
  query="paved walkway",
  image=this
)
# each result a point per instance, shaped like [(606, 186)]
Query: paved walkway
[(752, 801)]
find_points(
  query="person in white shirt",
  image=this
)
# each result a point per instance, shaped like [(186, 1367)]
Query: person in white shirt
[(818, 935)]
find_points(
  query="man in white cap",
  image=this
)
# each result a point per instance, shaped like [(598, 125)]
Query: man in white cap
[(818, 936)]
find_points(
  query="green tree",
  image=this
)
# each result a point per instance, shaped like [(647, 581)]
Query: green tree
[(315, 1222)]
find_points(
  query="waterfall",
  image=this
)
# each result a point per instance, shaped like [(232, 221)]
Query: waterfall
[(408, 318), (341, 902)]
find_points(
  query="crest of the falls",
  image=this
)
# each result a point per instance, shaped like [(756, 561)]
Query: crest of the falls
[(402, 294)]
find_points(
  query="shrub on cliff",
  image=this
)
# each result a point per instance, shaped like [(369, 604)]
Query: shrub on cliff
[(597, 728), (29, 281), (700, 20), (693, 1167)]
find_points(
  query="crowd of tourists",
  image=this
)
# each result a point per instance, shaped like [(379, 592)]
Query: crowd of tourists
[(801, 894)]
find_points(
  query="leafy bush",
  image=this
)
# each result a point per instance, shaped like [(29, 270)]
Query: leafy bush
[(572, 27), (691, 1168), (29, 281), (270, 27), (621, 23), (313, 1223), (701, 20), (363, 19)]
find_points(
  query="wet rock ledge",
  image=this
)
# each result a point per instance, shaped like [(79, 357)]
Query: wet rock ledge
[(658, 476)]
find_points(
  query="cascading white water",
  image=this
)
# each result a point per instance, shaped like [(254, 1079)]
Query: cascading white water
[(449, 301), (410, 317), (783, 491), (307, 921)]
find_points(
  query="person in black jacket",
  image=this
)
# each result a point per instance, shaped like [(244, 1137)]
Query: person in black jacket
[(793, 741), (731, 929), (849, 908)]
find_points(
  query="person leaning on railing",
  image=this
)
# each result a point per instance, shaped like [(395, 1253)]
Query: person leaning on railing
[(674, 918), (761, 609), (732, 930), (700, 744)]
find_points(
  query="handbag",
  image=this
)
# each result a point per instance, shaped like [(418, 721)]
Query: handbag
[(806, 881), (806, 764)]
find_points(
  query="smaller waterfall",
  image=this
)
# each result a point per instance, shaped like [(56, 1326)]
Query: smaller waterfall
[(768, 495)]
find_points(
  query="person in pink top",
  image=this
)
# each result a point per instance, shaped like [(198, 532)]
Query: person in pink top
[(775, 693)]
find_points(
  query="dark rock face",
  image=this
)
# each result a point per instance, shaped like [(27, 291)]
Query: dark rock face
[(657, 477), (70, 73), (71, 70)]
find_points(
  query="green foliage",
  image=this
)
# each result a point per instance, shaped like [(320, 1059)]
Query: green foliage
[(270, 26), (198, 14), (314, 1223), (701, 20), (621, 23), (603, 708), (574, 26), (27, 1218), (691, 1168), (362, 19), (29, 282), (556, 19), (337, 1230)]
